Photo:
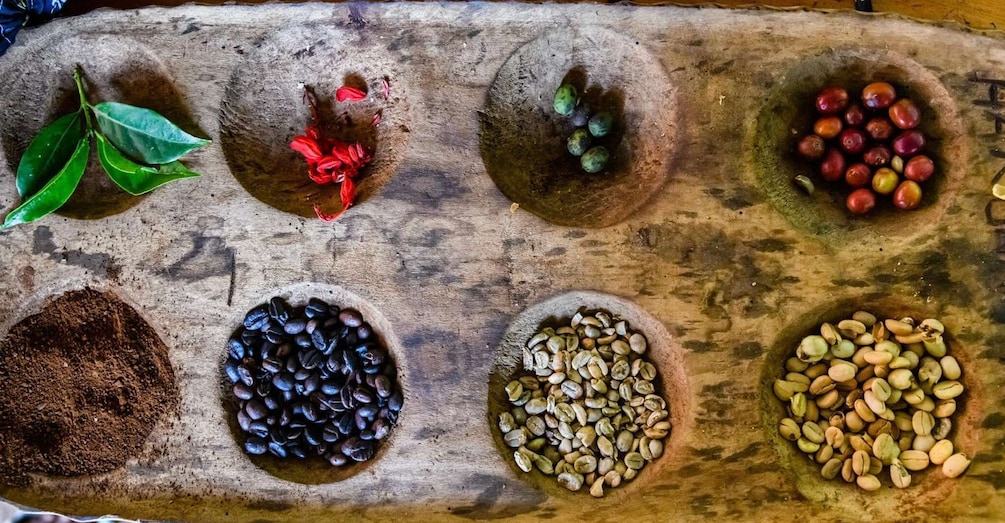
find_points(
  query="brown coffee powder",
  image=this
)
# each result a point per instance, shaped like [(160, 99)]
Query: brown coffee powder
[(82, 384)]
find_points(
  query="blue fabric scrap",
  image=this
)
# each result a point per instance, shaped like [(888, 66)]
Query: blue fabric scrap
[(15, 14)]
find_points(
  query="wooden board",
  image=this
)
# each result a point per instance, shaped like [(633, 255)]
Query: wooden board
[(720, 253)]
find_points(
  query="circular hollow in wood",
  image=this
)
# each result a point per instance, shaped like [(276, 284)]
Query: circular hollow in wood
[(115, 69), (523, 140), (663, 352), (264, 109), (316, 470), (788, 114), (87, 380), (929, 487)]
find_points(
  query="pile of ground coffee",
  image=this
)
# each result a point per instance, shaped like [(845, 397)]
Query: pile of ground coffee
[(82, 384)]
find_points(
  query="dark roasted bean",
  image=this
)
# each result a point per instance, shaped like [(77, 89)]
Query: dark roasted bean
[(330, 388), (295, 326), (311, 325), (292, 364), (302, 340), (360, 421), (275, 334), (312, 383), (277, 449), (394, 402), (256, 318), (331, 433), (279, 310), (243, 391), (366, 435), (259, 428), (302, 374), (297, 451), (318, 339), (256, 409), (235, 349), (264, 388), (345, 423), (363, 451), (272, 364), (314, 435), (381, 428), (283, 381), (368, 411), (284, 350), (364, 331), (382, 384), (250, 338), (311, 413), (255, 446), (295, 434), (350, 317), (285, 416), (362, 395), (247, 377), (243, 420), (232, 373), (315, 308), (271, 401)]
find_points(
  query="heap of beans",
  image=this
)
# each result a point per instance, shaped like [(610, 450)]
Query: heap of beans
[(590, 129), (873, 146), (312, 380)]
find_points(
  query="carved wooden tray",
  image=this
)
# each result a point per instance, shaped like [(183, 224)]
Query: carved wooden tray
[(698, 233)]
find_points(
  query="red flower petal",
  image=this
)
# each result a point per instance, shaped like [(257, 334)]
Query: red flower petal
[(308, 147), (349, 93), (329, 163), (326, 217), (376, 118), (347, 192), (386, 87)]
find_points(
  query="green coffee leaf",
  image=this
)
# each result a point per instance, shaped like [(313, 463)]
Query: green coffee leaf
[(144, 135), (134, 178), (55, 192), (48, 153)]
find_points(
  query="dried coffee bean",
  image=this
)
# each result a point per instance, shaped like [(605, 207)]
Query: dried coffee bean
[(256, 318), (256, 409), (350, 317), (246, 376), (258, 428), (279, 310), (256, 446), (316, 308), (236, 349), (364, 331), (302, 340), (295, 326)]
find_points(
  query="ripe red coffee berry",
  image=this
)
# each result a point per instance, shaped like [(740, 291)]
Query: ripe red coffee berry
[(905, 114), (833, 165), (880, 129), (828, 127), (861, 201), (854, 116), (877, 155), (919, 169), (832, 100), (878, 95), (852, 141), (858, 175), (811, 147), (909, 142), (907, 196)]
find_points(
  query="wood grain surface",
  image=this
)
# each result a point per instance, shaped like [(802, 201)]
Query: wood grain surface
[(722, 255)]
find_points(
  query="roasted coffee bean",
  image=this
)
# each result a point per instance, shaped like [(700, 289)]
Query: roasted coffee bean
[(246, 376), (256, 409), (277, 449), (256, 318), (264, 388), (350, 363), (395, 401), (231, 370), (331, 433), (364, 331), (243, 391), (345, 423), (366, 435), (338, 459), (381, 428), (279, 434), (243, 420), (330, 388), (315, 308), (259, 428), (383, 385), (284, 350), (311, 384), (310, 326), (311, 412), (272, 364), (362, 396), (310, 359), (256, 446), (318, 339), (367, 411), (236, 349), (250, 338), (314, 435), (302, 374), (279, 310), (271, 402), (302, 340), (362, 452), (350, 317), (283, 381), (292, 365), (297, 451), (361, 422), (285, 416)]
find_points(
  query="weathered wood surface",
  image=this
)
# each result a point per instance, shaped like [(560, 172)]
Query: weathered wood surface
[(435, 249)]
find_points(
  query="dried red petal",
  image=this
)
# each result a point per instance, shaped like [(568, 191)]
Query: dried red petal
[(385, 87), (308, 147), (376, 118), (329, 163), (349, 93), (326, 217), (347, 192)]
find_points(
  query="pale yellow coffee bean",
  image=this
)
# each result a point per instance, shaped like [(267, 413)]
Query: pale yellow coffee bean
[(940, 452), (914, 460), (847, 472), (868, 483), (797, 405), (834, 437), (881, 388), (858, 442), (885, 448), (837, 420), (912, 358), (813, 432), (950, 368), (936, 347), (901, 379), (947, 389), (875, 357), (923, 443), (914, 337), (571, 481), (932, 325), (864, 412), (875, 465), (879, 332), (930, 371), (955, 465), (854, 422), (831, 468), (864, 339), (789, 429), (859, 357), (860, 462), (830, 399), (824, 454), (927, 405), (905, 441), (829, 333), (844, 349), (902, 420), (597, 490), (898, 327), (942, 428), (842, 370), (922, 423), (794, 364), (865, 318), (807, 446), (882, 371), (901, 362), (874, 403), (913, 396), (821, 385), (815, 371), (851, 328), (899, 475)]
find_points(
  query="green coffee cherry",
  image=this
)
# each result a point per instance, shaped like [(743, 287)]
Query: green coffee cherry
[(579, 141), (601, 123), (566, 99), (594, 160)]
